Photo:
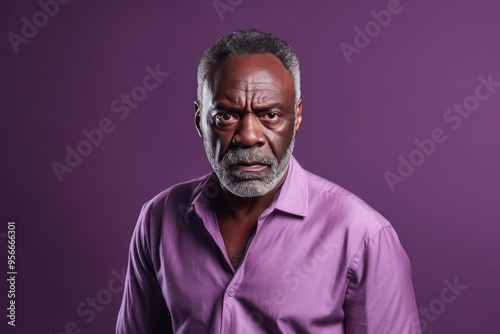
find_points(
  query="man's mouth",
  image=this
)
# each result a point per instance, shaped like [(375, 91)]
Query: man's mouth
[(250, 166)]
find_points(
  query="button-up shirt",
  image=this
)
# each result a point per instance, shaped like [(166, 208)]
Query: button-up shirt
[(319, 261)]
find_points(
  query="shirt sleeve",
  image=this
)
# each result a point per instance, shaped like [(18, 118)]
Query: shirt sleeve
[(143, 309), (380, 298)]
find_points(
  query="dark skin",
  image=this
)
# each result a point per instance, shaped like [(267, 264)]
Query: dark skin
[(247, 102)]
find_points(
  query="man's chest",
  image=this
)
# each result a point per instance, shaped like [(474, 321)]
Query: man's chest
[(283, 271), (236, 237)]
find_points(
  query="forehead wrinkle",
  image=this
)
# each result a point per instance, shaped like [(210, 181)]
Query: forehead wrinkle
[(255, 100), (248, 77), (249, 87), (243, 96)]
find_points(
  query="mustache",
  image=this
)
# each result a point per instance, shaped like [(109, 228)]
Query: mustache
[(238, 156)]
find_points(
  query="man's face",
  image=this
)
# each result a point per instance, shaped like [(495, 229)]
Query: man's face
[(248, 118)]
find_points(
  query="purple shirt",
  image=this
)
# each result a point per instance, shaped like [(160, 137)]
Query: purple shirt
[(320, 261)]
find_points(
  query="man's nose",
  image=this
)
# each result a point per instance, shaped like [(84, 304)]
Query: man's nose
[(249, 131)]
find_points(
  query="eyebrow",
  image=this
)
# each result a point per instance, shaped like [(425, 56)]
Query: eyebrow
[(259, 108)]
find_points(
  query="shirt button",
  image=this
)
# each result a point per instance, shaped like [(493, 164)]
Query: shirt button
[(230, 292)]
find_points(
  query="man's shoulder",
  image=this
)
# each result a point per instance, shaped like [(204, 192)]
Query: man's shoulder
[(181, 193), (341, 205)]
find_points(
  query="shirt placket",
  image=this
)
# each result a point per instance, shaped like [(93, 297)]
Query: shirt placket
[(231, 293), (230, 299)]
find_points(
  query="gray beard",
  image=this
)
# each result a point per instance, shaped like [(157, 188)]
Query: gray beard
[(248, 184)]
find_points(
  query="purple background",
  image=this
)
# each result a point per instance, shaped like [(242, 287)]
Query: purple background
[(358, 118)]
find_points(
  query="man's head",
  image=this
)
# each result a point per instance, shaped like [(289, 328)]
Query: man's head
[(248, 110)]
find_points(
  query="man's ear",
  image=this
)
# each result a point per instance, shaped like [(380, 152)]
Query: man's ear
[(197, 118), (299, 114)]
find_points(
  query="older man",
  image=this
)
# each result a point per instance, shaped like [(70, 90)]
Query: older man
[(261, 245)]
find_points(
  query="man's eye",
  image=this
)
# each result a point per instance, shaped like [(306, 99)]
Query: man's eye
[(225, 118), (271, 116)]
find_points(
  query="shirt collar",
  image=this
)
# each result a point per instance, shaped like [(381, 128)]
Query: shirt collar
[(292, 197)]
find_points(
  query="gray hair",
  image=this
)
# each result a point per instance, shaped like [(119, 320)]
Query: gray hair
[(245, 42)]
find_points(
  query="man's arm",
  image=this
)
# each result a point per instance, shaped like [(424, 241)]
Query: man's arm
[(380, 297), (143, 309)]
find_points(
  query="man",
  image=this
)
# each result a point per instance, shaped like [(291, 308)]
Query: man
[(261, 245)]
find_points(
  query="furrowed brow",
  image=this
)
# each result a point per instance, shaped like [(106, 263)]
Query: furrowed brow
[(264, 107), (224, 107), (259, 108)]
